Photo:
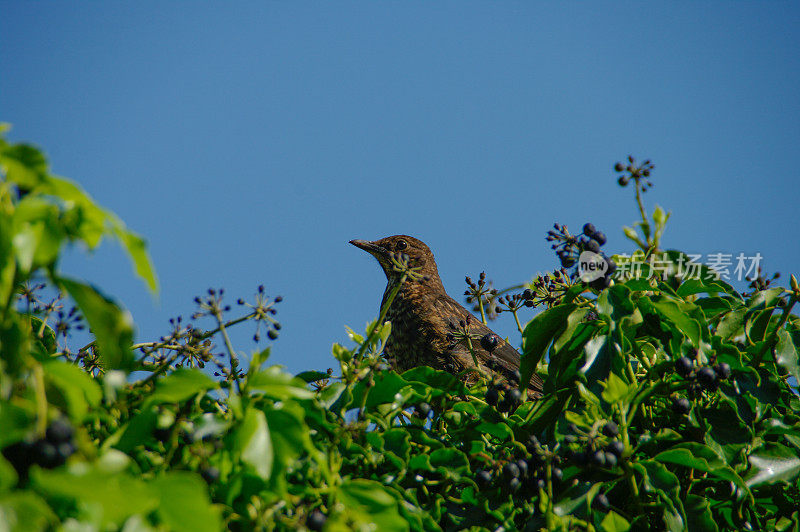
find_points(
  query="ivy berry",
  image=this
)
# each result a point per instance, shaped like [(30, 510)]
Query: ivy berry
[(316, 520), (490, 342), (681, 406), (683, 366)]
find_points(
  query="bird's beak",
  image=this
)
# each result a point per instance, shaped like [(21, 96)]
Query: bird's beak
[(370, 247)]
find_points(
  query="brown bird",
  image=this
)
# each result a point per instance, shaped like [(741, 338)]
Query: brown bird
[(429, 328)]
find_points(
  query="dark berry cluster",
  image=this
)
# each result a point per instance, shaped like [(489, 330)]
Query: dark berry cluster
[(595, 450), (263, 310), (592, 241), (760, 282), (481, 296), (569, 247), (514, 302), (510, 399), (48, 452), (638, 173), (548, 289), (702, 377), (526, 472), (479, 289)]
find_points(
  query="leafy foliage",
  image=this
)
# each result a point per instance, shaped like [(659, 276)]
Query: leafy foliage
[(669, 404)]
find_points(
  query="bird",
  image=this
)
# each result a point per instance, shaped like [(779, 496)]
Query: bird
[(428, 327)]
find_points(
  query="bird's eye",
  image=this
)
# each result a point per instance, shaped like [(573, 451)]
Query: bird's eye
[(401, 245)]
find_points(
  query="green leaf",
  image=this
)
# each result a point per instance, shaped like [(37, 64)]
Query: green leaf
[(435, 379), (660, 218), (117, 495), (449, 460), (786, 354), (539, 333), (137, 251), (25, 510), (289, 435), (574, 319), (389, 387), (24, 165), (331, 393), (597, 361), (312, 376), (764, 298), (694, 286), (679, 314), (756, 324), (731, 323), (341, 353), (632, 235), (354, 336), (698, 514), (185, 504), (659, 480), (616, 302), (702, 458), (369, 503), (8, 260), (251, 442), (180, 385), (772, 463), (48, 339), (615, 389), (80, 391), (613, 522), (8, 478), (714, 307), (111, 326), (90, 223), (277, 383), (136, 432), (82, 217), (15, 422), (498, 430)]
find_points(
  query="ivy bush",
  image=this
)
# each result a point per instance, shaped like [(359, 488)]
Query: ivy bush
[(670, 402)]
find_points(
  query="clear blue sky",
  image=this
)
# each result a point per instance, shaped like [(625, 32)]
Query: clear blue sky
[(248, 142)]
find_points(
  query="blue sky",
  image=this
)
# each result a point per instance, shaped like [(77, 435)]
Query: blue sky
[(248, 142)]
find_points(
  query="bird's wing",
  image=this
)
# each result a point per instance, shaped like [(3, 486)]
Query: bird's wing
[(504, 357)]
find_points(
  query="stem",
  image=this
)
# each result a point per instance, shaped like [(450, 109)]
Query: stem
[(480, 306), (229, 347), (221, 326), (549, 516), (642, 212), (159, 370), (382, 316), (625, 421), (474, 358), (370, 384), (41, 399), (228, 344), (516, 318)]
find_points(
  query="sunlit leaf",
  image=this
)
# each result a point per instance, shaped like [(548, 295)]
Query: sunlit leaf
[(111, 326), (185, 504), (252, 443), (773, 463), (180, 385)]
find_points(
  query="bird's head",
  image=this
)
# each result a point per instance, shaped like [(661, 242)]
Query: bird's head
[(420, 256)]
